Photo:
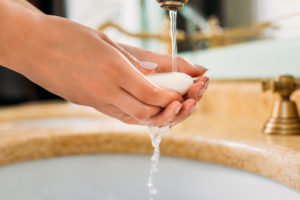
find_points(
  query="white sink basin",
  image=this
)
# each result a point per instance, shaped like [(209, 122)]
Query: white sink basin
[(123, 177)]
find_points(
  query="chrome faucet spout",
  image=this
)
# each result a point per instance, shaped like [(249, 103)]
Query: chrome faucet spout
[(172, 4)]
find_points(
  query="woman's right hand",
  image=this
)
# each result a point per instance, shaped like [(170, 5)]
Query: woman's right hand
[(75, 63)]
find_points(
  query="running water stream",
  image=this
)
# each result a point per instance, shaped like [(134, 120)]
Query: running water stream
[(173, 20), (155, 136), (156, 133)]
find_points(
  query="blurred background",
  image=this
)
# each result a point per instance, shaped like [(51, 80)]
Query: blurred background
[(247, 39)]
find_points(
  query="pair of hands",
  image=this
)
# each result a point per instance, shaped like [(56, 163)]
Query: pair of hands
[(85, 67), (178, 109)]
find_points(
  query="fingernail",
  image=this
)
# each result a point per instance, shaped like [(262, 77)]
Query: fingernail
[(148, 65), (201, 92), (178, 109), (202, 67), (193, 109), (205, 83)]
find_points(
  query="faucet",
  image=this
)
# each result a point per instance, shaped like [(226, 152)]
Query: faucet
[(284, 119), (172, 4)]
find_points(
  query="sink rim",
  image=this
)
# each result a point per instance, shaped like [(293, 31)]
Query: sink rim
[(40, 146), (43, 165), (279, 164)]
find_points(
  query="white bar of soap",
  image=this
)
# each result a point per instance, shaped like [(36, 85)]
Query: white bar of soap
[(176, 81)]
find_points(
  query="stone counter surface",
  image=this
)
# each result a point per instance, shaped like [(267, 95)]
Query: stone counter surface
[(43, 130)]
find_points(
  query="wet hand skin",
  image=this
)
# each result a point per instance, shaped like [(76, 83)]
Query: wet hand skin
[(85, 67), (164, 64)]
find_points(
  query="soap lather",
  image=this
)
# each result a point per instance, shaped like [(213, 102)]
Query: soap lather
[(176, 81)]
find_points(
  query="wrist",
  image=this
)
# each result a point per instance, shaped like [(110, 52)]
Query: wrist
[(21, 27)]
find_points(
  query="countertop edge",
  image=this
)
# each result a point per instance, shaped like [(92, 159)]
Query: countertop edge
[(280, 166)]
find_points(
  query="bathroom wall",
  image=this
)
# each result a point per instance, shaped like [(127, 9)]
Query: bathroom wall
[(277, 54), (250, 11), (251, 62), (274, 10), (92, 13), (132, 15)]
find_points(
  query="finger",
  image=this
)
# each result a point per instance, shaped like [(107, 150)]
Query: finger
[(136, 84), (114, 112), (133, 107), (203, 79), (143, 66), (198, 88), (195, 91), (165, 117), (165, 61), (147, 92), (151, 94), (187, 108)]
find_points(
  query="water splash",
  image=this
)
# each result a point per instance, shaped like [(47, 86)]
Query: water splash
[(155, 136)]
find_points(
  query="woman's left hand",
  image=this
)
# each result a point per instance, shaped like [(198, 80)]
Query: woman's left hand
[(163, 63)]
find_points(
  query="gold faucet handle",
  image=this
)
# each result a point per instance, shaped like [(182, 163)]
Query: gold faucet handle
[(267, 85), (285, 85), (298, 84), (284, 119)]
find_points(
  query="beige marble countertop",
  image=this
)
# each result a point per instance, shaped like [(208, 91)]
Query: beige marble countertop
[(53, 129)]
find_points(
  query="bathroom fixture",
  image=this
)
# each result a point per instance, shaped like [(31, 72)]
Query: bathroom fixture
[(172, 4), (217, 36), (117, 177), (284, 119), (44, 130), (195, 17), (164, 35), (213, 35)]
